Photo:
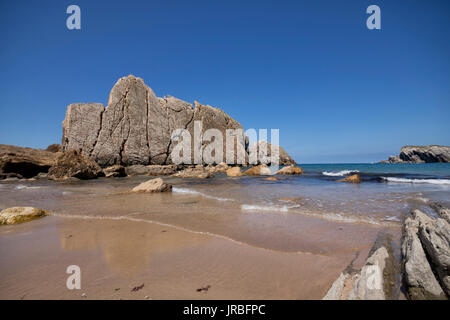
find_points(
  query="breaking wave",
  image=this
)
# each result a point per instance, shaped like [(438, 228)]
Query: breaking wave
[(339, 173), (405, 180), (252, 207), (195, 192)]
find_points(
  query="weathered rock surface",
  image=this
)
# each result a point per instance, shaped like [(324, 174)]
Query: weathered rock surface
[(263, 150), (24, 162), (376, 279), (355, 178), (421, 154), (442, 211), (136, 127), (435, 238), (292, 169), (73, 163), (153, 185), (260, 170), (197, 172), (234, 172), (16, 215), (221, 167), (151, 170), (114, 171), (54, 148), (419, 277)]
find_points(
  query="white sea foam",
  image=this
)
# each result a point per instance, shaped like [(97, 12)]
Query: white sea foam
[(429, 181), (339, 173), (195, 192), (21, 186), (253, 207), (392, 218)]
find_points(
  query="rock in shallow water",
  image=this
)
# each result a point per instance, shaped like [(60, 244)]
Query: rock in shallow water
[(234, 172), (153, 185), (17, 215), (353, 179), (290, 170)]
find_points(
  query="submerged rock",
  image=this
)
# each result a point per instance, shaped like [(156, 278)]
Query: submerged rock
[(74, 164), (234, 172), (353, 179), (153, 185), (292, 169), (17, 215)]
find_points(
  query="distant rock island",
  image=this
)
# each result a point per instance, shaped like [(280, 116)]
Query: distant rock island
[(421, 154)]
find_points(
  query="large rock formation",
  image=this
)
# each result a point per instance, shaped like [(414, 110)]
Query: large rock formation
[(136, 127), (24, 162), (426, 257), (263, 150), (421, 154), (376, 280)]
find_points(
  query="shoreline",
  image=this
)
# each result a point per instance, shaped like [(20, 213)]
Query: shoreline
[(109, 259)]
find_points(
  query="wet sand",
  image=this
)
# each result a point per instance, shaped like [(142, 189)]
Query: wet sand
[(174, 244)]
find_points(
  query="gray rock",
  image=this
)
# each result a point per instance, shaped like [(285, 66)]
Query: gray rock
[(136, 127), (264, 151), (161, 170), (421, 154), (376, 279), (435, 238), (442, 211), (81, 126), (419, 277)]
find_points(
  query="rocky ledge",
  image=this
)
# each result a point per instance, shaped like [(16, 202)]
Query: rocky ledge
[(421, 154)]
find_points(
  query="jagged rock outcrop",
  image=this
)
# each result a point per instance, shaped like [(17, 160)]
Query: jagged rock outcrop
[(24, 162), (426, 256), (421, 154), (74, 164), (263, 150), (376, 280), (136, 128)]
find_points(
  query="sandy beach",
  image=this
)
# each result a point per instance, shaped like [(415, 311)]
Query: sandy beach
[(178, 245)]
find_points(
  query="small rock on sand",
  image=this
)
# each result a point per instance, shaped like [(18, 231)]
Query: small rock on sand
[(16, 215)]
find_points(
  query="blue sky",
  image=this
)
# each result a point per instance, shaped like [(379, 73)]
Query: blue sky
[(337, 91)]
